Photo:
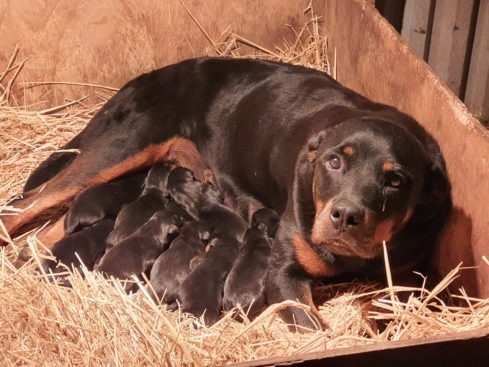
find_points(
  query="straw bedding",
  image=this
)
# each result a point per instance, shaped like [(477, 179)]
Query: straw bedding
[(96, 323)]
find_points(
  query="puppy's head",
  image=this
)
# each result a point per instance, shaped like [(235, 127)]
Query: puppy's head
[(188, 192), (195, 229), (267, 220), (157, 177), (366, 180)]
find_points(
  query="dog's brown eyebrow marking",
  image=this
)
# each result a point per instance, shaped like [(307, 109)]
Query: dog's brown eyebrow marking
[(389, 166), (349, 150)]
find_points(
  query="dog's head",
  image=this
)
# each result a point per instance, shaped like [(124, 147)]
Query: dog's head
[(157, 177), (267, 220), (188, 192), (362, 182)]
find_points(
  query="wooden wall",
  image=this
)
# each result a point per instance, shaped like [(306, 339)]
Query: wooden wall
[(109, 42), (453, 37)]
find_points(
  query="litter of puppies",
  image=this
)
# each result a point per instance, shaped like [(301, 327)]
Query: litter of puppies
[(96, 323)]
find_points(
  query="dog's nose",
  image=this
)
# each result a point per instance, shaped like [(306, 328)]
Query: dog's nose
[(346, 216)]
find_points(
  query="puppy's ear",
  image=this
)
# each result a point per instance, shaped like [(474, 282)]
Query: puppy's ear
[(436, 191), (172, 228), (313, 146)]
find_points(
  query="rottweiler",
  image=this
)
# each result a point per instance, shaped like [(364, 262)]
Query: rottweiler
[(137, 253), (245, 284), (172, 267), (201, 292), (343, 172), (87, 245), (203, 202), (267, 220), (102, 201), (152, 199)]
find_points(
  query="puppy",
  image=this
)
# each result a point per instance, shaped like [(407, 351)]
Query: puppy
[(153, 198), (102, 201), (173, 266), (267, 220), (203, 202), (246, 281), (87, 246), (201, 291), (137, 253)]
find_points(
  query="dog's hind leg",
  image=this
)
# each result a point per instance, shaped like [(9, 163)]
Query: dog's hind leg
[(92, 166), (53, 165)]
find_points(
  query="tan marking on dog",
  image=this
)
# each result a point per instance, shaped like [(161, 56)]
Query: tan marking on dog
[(309, 259), (52, 234), (311, 156), (322, 222), (388, 166), (76, 177), (349, 150)]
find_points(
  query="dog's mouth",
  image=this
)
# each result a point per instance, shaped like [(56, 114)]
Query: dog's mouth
[(340, 247)]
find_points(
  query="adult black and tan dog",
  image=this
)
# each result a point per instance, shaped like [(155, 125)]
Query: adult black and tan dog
[(343, 172)]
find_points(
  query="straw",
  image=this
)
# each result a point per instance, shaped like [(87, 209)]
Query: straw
[(95, 323)]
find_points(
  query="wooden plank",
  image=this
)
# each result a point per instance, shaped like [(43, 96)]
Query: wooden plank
[(448, 47), (111, 41), (470, 348), (416, 28), (477, 93)]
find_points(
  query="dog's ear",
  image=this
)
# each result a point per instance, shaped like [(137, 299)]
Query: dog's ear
[(313, 146), (304, 175), (436, 190)]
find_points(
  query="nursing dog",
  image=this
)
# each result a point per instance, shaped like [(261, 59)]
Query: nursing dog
[(102, 201), (137, 253), (172, 267), (343, 172), (245, 284), (86, 247), (152, 199)]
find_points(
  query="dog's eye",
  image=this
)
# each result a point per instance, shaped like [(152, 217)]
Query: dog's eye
[(334, 162), (394, 181)]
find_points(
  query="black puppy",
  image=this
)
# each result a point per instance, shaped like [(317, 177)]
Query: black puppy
[(173, 266), (102, 201), (87, 246), (201, 291), (246, 281), (267, 220), (137, 253), (203, 202), (153, 198)]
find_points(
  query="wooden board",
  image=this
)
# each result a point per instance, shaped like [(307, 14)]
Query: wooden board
[(477, 94), (111, 41), (416, 27), (469, 349), (448, 54)]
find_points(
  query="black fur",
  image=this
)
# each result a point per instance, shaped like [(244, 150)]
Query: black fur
[(137, 253), (172, 267), (152, 199), (87, 245), (270, 129)]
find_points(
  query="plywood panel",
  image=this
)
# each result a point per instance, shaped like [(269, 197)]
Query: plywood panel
[(448, 47), (109, 42), (477, 95), (416, 25)]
